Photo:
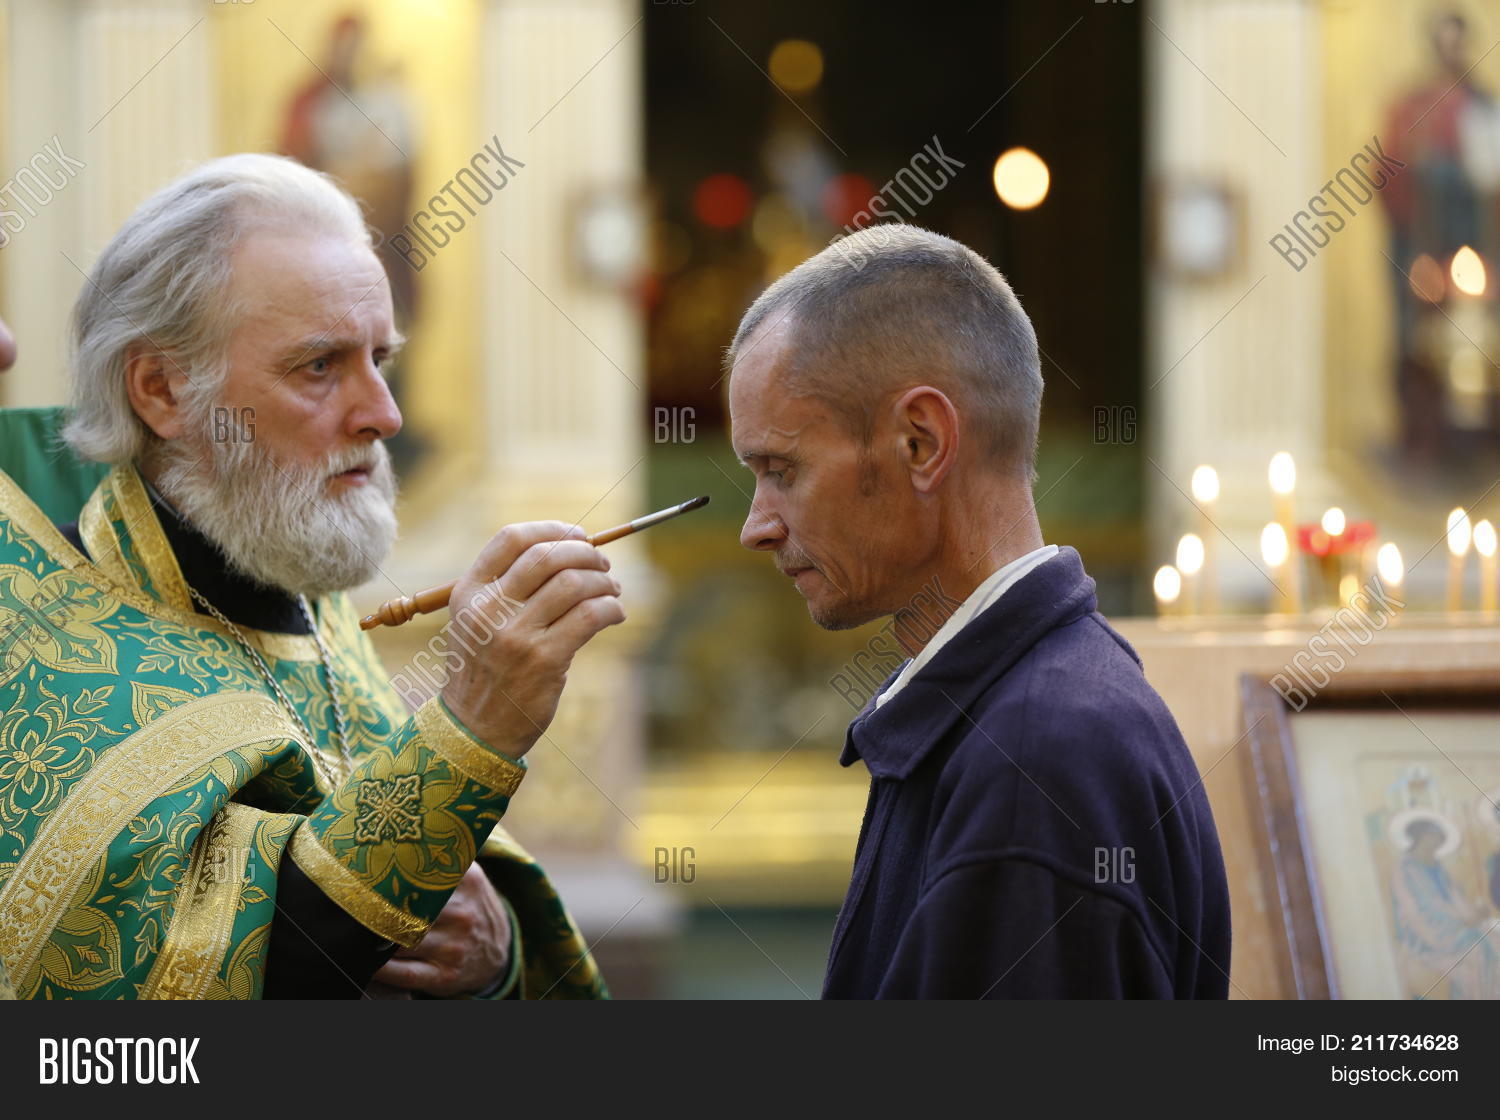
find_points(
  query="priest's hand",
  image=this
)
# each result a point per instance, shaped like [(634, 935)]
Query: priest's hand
[(538, 592), (466, 950)]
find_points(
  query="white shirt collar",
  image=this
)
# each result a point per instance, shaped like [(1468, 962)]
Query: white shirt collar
[(982, 597)]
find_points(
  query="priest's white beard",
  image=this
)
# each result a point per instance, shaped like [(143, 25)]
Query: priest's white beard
[(277, 523)]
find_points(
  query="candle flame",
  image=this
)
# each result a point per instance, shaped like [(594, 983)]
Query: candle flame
[(1459, 532), (1467, 271), (1190, 554), (1484, 538), (1274, 547), (1282, 472), (1167, 585), (1334, 521), (1205, 485), (1389, 564)]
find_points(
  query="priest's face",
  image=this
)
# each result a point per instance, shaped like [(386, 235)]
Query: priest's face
[(839, 518), (284, 467)]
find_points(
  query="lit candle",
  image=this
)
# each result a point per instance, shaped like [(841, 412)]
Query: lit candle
[(1333, 523), (1467, 340), (1484, 544), (1168, 586), (1348, 588), (1206, 493), (1390, 566), (1283, 477), (1459, 535), (1282, 474), (1392, 571), (1274, 549), (1190, 563)]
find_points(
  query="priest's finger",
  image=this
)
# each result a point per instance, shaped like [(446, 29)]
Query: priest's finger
[(587, 618), (413, 975), (564, 591), (543, 560), (500, 551)]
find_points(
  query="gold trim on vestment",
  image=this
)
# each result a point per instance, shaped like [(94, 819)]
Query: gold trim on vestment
[(100, 540), (351, 894), (442, 735), (123, 781), (18, 507), (204, 909), (148, 538)]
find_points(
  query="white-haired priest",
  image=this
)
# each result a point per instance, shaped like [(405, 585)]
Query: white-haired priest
[(208, 788)]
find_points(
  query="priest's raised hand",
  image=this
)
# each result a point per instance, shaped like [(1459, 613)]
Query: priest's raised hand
[(539, 592)]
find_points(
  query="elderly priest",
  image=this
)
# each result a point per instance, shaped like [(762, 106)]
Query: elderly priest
[(1036, 826), (208, 788)]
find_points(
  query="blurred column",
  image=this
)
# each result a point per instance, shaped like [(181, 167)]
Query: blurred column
[(564, 406), (122, 86), (1244, 348)]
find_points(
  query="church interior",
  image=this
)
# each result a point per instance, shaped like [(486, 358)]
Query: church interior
[(1258, 239)]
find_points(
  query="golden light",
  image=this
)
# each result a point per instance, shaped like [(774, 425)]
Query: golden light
[(776, 221), (1484, 538), (1021, 179), (1167, 584), (1190, 554), (1348, 587), (796, 65), (1205, 485), (1334, 521), (1460, 533), (1467, 271), (1426, 279), (1274, 547), (1389, 564), (1282, 472)]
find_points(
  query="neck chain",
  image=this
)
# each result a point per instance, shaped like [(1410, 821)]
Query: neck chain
[(334, 778)]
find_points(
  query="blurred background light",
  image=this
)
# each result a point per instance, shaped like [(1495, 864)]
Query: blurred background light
[(1021, 179)]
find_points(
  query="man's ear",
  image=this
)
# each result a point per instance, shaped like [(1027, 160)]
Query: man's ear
[(154, 382), (927, 426)]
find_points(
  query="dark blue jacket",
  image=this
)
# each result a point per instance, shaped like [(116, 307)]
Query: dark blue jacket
[(1036, 827)]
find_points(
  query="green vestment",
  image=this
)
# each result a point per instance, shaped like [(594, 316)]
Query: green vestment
[(151, 785)]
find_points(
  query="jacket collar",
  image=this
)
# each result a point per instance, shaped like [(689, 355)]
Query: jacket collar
[(894, 738)]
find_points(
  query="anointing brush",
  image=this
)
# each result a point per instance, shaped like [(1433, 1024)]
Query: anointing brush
[(394, 612)]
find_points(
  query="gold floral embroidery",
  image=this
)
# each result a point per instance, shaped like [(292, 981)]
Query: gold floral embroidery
[(100, 540), (398, 869), (88, 879), (208, 898), (143, 532), (444, 737), (147, 701), (53, 620), (83, 954), (389, 809), (352, 894), (45, 743), (98, 807)]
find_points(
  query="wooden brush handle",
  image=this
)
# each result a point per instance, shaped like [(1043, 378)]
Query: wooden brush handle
[(393, 612)]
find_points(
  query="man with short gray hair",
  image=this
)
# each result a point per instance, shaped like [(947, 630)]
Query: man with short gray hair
[(1036, 826)]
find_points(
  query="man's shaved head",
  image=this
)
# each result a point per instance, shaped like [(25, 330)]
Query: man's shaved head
[(894, 306)]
